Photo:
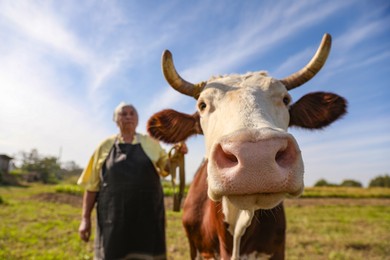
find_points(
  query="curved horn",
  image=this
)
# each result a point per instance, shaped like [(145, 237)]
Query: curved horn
[(312, 68), (175, 80)]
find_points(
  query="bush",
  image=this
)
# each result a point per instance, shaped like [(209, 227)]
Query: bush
[(351, 183), (380, 181), (345, 183), (47, 168), (324, 183)]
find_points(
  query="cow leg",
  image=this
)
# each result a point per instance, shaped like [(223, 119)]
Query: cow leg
[(193, 250)]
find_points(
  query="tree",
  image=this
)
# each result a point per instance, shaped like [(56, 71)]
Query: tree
[(50, 169), (380, 181), (71, 166), (47, 167), (351, 183), (30, 160), (70, 169), (321, 183), (324, 183)]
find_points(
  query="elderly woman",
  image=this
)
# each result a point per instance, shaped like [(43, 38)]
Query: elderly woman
[(122, 177)]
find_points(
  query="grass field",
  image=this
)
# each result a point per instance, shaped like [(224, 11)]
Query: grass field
[(39, 222)]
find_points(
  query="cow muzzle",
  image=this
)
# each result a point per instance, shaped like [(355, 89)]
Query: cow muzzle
[(255, 168)]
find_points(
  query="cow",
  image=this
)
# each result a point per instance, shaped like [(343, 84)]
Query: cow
[(234, 207)]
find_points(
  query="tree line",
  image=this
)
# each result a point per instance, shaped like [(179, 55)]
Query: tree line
[(34, 167), (379, 181)]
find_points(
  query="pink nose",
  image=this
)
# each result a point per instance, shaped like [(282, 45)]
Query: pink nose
[(269, 165)]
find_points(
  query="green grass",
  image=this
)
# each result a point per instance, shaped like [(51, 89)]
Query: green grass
[(32, 228), (177, 244), (338, 232), (69, 189)]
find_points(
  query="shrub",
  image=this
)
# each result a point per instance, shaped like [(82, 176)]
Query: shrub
[(351, 183), (69, 189), (324, 183), (380, 181)]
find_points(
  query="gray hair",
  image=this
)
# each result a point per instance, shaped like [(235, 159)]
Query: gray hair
[(119, 108)]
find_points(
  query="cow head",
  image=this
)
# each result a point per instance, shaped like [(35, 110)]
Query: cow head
[(252, 160)]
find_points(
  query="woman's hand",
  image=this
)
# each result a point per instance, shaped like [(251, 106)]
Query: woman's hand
[(85, 229), (89, 200), (181, 148)]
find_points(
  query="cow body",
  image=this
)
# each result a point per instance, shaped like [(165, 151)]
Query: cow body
[(209, 235), (251, 163)]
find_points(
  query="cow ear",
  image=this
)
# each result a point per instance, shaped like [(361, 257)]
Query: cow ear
[(317, 110), (171, 126)]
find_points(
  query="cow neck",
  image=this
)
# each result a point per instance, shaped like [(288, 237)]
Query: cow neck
[(238, 221)]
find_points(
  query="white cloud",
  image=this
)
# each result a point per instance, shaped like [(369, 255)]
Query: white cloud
[(39, 23), (364, 32)]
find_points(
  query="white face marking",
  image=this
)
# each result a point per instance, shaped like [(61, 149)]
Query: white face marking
[(244, 119), (241, 101)]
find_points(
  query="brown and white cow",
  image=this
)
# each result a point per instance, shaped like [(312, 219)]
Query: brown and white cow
[(252, 163)]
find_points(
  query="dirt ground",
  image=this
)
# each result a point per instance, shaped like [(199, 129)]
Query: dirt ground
[(63, 198), (76, 201)]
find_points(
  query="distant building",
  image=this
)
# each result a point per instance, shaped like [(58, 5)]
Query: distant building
[(5, 163)]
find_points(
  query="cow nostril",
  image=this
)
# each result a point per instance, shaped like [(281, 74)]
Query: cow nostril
[(231, 157), (281, 158), (286, 155), (279, 155), (224, 158)]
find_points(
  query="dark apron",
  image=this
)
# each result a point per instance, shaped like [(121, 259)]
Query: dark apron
[(130, 207)]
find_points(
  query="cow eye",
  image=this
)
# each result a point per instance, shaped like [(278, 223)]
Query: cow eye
[(202, 106), (286, 100)]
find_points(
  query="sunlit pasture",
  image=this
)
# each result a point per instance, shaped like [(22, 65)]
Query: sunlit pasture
[(41, 222)]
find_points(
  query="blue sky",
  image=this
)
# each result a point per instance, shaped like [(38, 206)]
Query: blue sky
[(65, 65)]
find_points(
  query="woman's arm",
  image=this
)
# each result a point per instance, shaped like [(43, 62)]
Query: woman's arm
[(85, 225)]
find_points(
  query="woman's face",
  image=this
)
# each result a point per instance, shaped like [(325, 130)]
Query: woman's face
[(127, 119)]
